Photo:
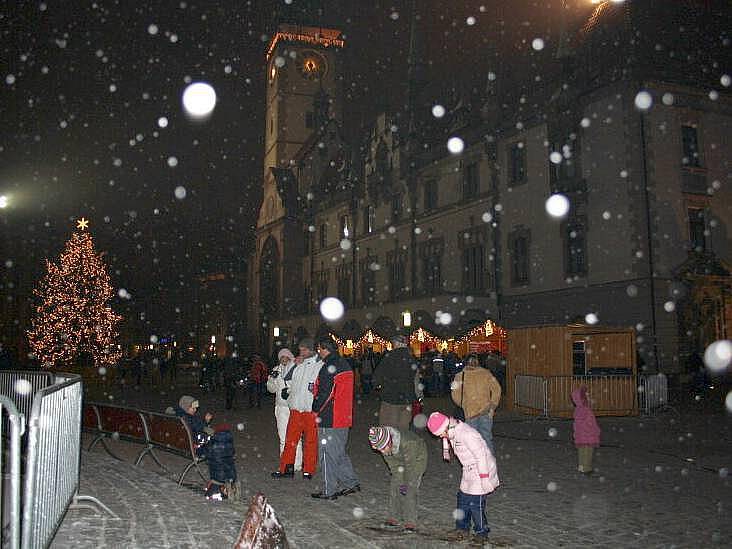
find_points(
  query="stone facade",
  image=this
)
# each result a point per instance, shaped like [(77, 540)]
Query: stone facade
[(391, 226)]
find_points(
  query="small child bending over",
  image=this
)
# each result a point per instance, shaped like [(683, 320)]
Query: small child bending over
[(480, 474)]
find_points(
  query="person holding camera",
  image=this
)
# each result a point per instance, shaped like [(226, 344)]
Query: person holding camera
[(275, 384), (298, 390)]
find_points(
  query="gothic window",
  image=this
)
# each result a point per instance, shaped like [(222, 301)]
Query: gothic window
[(345, 227), (344, 274), (564, 169), (430, 195), (306, 242), (323, 235), (368, 280), (474, 268), (697, 227), (396, 207), (517, 163), (396, 261), (690, 146), (269, 279), (518, 245), (369, 219), (431, 253), (321, 281), (471, 181), (575, 249)]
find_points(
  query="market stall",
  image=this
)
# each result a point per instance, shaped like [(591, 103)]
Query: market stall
[(484, 338)]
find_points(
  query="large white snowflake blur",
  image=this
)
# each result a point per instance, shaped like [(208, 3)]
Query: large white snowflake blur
[(332, 308), (199, 99)]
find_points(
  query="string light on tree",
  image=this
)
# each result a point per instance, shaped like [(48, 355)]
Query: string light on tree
[(72, 318)]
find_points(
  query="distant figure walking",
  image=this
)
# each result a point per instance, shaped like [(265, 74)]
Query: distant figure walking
[(586, 430)]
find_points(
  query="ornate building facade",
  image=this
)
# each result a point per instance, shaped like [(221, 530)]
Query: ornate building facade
[(395, 222)]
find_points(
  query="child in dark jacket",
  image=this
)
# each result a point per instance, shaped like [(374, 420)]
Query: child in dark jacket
[(586, 429), (216, 445)]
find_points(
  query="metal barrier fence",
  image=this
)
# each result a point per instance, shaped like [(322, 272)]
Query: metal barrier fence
[(530, 392), (21, 386), (52, 470), (11, 448), (551, 396), (653, 392)]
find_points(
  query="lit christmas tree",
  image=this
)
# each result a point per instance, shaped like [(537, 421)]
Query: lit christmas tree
[(73, 320)]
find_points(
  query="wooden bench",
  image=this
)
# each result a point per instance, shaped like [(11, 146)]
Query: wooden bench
[(154, 431)]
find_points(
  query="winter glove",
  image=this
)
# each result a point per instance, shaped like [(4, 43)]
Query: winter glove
[(403, 489)]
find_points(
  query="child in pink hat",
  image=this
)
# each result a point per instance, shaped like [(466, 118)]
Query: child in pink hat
[(480, 474)]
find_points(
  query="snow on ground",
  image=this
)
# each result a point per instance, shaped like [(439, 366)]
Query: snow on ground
[(659, 481)]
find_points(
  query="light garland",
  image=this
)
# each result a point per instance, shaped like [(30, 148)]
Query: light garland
[(486, 329)]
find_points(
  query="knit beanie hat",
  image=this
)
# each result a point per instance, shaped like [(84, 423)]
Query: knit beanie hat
[(379, 438), (437, 423), (186, 401), (286, 353)]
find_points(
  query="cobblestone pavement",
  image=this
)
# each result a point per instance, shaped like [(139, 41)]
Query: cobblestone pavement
[(659, 482)]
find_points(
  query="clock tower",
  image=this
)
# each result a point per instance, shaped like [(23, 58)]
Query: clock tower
[(302, 64), (302, 80)]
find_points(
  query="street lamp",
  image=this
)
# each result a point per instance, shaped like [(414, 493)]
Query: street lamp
[(407, 318), (3, 201), (276, 331)]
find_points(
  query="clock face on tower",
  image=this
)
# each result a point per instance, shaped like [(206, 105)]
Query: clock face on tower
[(311, 65)]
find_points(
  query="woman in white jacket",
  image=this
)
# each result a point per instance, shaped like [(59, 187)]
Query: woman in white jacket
[(275, 384)]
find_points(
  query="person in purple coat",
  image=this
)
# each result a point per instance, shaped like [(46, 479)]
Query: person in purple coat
[(586, 429)]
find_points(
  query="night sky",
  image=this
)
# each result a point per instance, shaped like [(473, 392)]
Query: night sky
[(83, 84)]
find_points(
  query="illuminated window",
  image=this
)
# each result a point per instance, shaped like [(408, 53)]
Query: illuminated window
[(369, 219)]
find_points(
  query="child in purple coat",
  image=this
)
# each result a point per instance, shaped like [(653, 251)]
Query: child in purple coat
[(586, 429)]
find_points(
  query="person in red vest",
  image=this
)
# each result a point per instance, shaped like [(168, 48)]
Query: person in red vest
[(333, 405)]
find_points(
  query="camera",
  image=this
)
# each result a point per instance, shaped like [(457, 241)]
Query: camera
[(275, 374)]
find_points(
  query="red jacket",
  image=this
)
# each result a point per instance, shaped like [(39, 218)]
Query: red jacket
[(259, 372), (333, 402)]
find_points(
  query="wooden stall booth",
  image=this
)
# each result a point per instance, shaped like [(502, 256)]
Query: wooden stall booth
[(422, 341), (546, 363), (486, 337)]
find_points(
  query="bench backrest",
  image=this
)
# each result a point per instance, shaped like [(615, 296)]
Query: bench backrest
[(169, 432), (90, 418), (126, 422)]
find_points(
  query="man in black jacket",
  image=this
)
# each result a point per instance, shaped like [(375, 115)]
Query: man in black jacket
[(395, 377)]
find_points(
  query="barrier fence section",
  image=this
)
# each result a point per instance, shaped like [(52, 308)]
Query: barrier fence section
[(610, 394), (52, 468), (530, 392), (21, 386), (10, 532), (653, 392), (552, 395)]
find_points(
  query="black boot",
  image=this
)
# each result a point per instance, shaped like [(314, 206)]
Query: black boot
[(289, 472)]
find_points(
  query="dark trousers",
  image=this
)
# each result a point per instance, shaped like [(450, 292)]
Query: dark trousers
[(472, 508)]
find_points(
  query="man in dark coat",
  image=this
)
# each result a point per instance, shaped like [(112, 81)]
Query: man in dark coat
[(333, 405), (395, 375)]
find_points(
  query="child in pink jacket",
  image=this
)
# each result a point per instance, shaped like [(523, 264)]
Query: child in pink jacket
[(586, 429), (480, 475)]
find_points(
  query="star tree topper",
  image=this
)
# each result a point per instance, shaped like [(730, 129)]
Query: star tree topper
[(82, 224)]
